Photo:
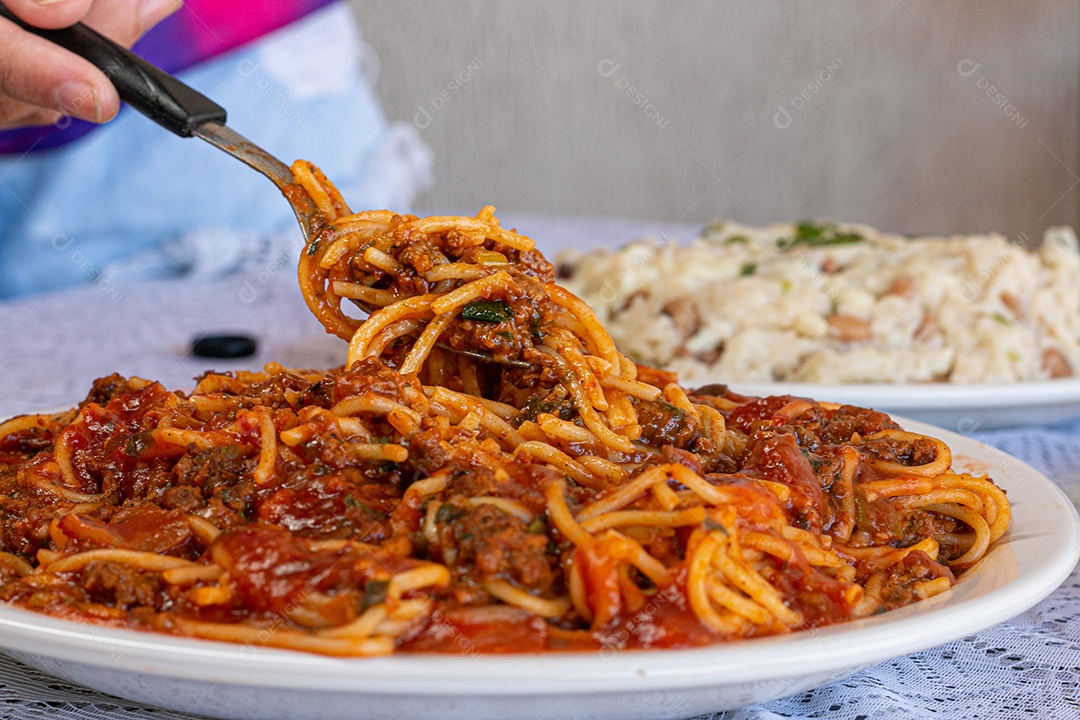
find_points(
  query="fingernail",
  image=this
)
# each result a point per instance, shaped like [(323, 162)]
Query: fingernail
[(151, 12), (97, 105), (80, 100), (48, 2)]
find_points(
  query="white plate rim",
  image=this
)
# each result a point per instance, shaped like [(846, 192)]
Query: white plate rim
[(847, 646), (919, 396)]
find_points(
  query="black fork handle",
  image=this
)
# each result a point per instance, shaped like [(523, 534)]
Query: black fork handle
[(150, 90)]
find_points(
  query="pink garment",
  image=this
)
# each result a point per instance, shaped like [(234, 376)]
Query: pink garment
[(200, 30)]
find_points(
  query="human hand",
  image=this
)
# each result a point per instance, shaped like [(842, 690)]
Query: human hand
[(40, 82)]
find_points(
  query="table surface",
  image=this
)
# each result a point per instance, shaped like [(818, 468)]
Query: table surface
[(52, 347)]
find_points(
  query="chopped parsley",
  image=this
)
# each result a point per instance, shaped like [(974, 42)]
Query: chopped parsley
[(374, 593), (139, 443), (534, 406), (673, 409), (748, 269), (818, 235), (489, 311), (714, 228), (448, 513), (711, 524)]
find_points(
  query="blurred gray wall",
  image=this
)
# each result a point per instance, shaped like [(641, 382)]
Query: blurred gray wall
[(912, 115)]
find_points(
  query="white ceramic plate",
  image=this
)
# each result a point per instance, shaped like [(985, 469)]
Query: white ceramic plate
[(231, 681), (964, 408)]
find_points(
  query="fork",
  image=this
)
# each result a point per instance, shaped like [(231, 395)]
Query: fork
[(186, 112), (178, 108)]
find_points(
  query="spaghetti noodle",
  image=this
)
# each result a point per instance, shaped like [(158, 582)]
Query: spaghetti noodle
[(487, 472)]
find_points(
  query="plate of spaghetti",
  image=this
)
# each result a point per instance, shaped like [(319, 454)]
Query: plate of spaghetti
[(489, 507)]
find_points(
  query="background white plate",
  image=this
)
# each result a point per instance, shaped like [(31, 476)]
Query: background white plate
[(963, 408), (232, 681)]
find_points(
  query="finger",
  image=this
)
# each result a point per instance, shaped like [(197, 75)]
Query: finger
[(15, 114), (125, 21), (43, 118), (39, 73), (49, 13)]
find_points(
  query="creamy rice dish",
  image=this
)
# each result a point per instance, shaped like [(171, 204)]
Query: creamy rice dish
[(825, 303)]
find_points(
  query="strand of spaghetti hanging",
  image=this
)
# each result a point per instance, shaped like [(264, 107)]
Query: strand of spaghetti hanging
[(446, 291)]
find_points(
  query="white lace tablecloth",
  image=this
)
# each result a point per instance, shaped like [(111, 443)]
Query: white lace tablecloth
[(52, 347)]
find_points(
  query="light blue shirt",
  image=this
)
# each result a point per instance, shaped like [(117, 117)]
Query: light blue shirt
[(125, 200)]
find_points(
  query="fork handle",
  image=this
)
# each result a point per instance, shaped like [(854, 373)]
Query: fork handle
[(150, 90)]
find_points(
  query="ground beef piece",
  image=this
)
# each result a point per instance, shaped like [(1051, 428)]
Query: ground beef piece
[(317, 394), (370, 375), (24, 526), (238, 498), (418, 256), (272, 391), (711, 456), (846, 421), (427, 452), (486, 542), (513, 322), (213, 468), (920, 452), (526, 485), (664, 424), (183, 497), (105, 389), (899, 587), (533, 262), (473, 482), (122, 586), (143, 482)]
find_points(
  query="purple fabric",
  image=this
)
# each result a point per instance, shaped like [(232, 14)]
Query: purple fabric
[(201, 30)]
